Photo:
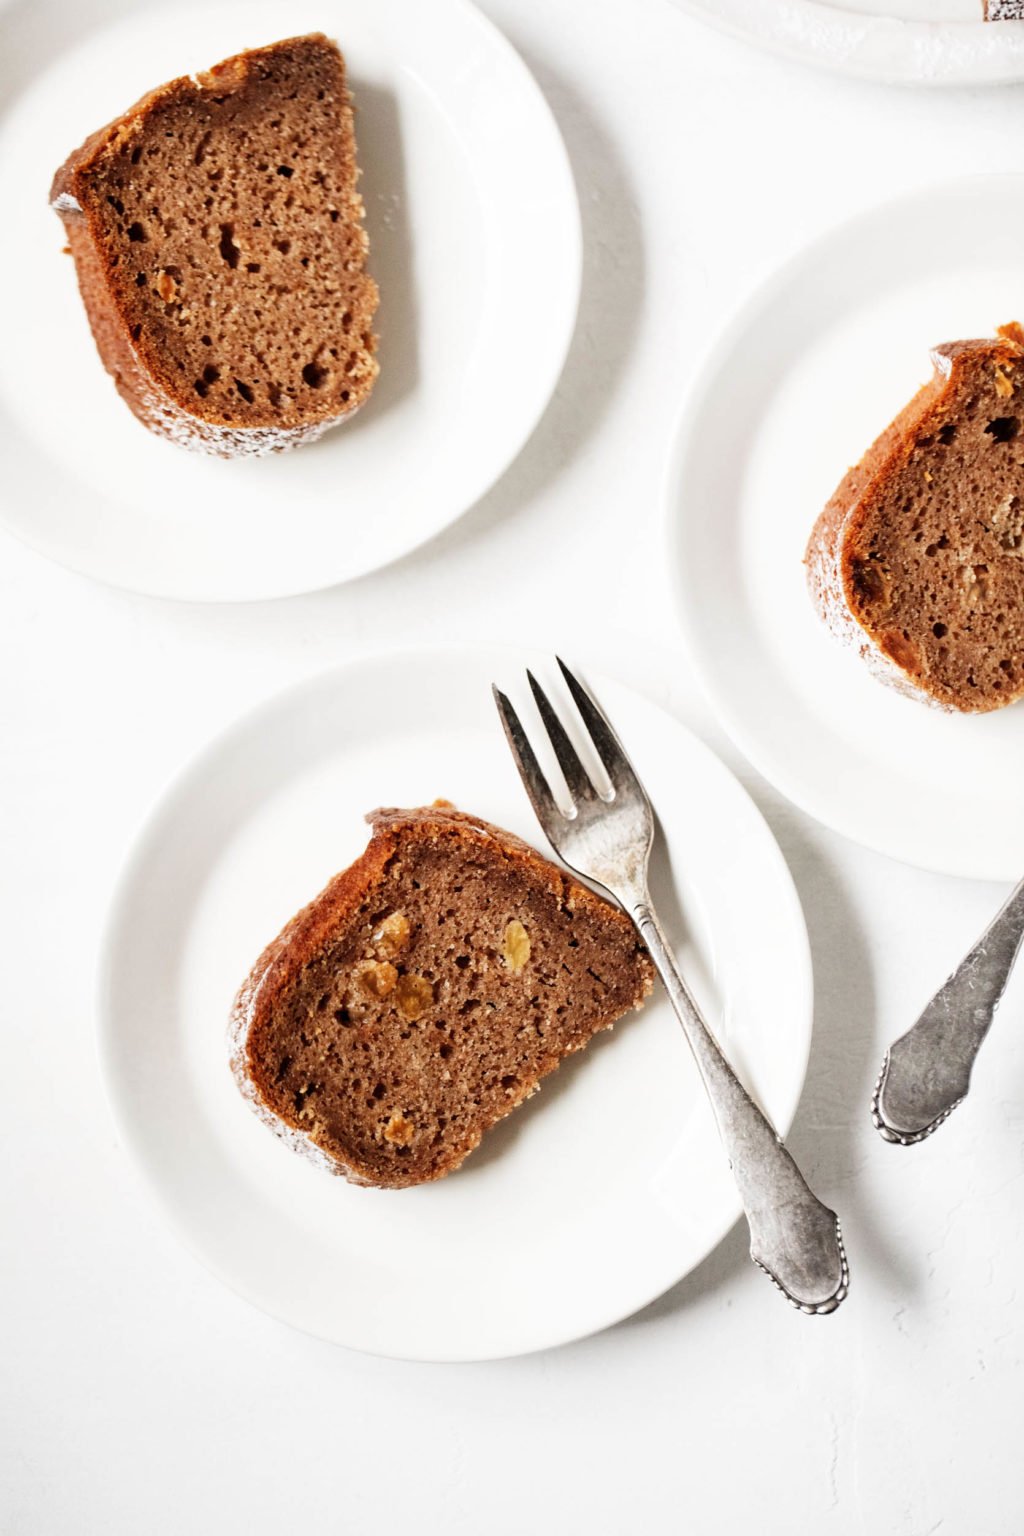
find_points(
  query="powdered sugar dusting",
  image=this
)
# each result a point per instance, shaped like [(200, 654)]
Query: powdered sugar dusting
[(298, 1141), (169, 420), (824, 578)]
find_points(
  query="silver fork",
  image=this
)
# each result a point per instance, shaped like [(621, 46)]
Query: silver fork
[(607, 839)]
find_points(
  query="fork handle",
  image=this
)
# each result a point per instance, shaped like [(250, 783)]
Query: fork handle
[(927, 1071), (794, 1238)]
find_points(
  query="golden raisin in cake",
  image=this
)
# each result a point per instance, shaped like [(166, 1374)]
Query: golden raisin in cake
[(424, 994), (220, 251), (918, 559)]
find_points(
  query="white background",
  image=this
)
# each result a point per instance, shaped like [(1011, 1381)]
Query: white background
[(138, 1396)]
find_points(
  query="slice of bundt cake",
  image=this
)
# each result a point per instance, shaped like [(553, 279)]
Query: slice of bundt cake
[(425, 993), (918, 559), (221, 255)]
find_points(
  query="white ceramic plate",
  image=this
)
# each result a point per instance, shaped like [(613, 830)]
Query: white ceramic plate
[(475, 243), (796, 389), (912, 42), (581, 1207)]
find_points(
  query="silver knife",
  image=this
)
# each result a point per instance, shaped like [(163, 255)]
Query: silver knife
[(927, 1071)]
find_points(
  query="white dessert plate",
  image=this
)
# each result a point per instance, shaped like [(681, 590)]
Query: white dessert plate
[(796, 389), (475, 319), (587, 1202), (909, 42)]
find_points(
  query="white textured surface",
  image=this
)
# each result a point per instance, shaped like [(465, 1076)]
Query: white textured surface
[(140, 1396)]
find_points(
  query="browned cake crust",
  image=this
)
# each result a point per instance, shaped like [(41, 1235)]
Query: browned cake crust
[(220, 251), (918, 559), (424, 994)]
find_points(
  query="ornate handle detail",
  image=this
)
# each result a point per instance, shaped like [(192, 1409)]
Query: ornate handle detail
[(794, 1238), (927, 1071)]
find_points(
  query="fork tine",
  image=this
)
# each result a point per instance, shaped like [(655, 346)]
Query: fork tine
[(530, 771), (608, 746), (573, 771)]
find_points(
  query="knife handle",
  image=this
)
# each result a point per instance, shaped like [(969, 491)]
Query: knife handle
[(927, 1071)]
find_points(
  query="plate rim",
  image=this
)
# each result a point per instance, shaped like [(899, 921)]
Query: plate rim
[(747, 313), (866, 57), (146, 834), (567, 251)]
